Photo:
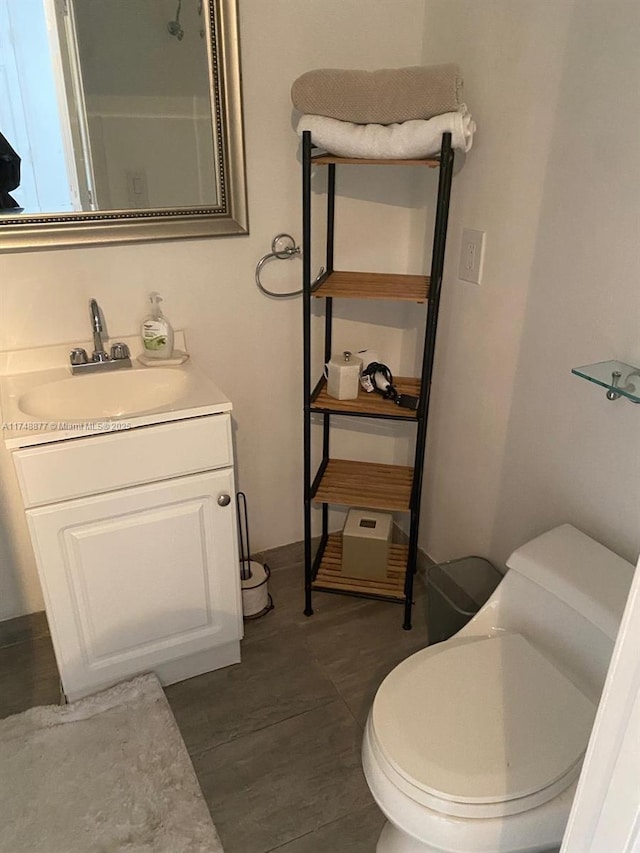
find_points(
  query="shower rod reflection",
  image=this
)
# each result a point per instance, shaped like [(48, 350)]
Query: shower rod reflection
[(176, 29)]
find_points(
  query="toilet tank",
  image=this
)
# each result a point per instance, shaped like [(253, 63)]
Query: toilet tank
[(566, 593)]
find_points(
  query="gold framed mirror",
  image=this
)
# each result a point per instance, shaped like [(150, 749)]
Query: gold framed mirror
[(137, 134)]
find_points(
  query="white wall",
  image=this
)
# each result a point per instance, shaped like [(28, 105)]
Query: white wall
[(250, 344), (517, 443), (136, 142)]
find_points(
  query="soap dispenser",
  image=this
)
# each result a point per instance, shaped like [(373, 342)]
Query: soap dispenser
[(157, 334)]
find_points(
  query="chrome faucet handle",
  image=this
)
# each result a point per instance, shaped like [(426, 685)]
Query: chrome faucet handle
[(78, 355), (119, 351), (100, 360)]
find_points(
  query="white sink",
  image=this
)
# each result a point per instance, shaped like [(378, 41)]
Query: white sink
[(42, 403), (108, 395)]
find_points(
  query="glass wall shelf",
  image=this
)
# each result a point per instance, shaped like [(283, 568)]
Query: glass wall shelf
[(620, 380)]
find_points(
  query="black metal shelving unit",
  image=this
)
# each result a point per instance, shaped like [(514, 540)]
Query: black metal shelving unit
[(361, 484)]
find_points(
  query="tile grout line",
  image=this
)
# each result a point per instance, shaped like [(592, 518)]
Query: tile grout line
[(313, 831), (206, 750), (327, 675), (14, 643)]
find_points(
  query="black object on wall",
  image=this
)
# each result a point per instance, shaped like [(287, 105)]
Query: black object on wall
[(9, 174)]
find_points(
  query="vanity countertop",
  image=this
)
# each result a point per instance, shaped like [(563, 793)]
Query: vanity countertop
[(22, 372)]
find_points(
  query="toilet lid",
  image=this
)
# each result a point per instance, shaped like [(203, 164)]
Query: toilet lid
[(473, 722)]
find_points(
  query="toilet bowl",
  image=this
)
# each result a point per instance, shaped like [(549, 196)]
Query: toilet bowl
[(475, 745)]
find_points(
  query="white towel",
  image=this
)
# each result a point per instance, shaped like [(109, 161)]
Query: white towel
[(405, 141)]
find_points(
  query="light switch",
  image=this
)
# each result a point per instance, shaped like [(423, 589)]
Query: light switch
[(471, 256), (137, 188)]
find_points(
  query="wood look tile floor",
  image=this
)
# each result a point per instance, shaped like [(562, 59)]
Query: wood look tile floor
[(275, 741)]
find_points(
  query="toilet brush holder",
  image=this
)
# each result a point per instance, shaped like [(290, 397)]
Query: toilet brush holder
[(254, 576)]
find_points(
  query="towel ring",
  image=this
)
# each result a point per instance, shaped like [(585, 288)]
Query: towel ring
[(281, 253)]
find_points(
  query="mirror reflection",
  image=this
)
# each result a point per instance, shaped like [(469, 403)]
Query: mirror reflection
[(107, 105)]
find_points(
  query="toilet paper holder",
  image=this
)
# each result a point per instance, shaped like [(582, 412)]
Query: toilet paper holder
[(256, 600)]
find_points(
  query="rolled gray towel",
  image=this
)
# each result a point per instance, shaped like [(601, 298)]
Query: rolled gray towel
[(386, 96)]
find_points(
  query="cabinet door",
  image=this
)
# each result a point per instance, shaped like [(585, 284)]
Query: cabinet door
[(140, 577)]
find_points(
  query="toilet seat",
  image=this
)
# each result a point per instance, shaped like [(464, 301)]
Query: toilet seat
[(480, 727)]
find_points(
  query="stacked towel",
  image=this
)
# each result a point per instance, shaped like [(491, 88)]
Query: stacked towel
[(396, 113), (404, 141), (387, 96)]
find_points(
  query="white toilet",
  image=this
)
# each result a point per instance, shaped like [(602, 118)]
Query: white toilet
[(474, 745)]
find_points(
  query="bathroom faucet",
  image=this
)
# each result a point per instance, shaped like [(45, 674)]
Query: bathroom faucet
[(99, 353), (100, 359)]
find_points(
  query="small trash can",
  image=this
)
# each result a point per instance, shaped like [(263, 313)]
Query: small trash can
[(456, 591)]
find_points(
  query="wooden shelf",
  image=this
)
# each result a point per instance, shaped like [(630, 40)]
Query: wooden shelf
[(330, 577), (325, 159), (365, 484), (371, 405), (374, 285)]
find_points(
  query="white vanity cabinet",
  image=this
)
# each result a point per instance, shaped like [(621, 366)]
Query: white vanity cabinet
[(135, 540)]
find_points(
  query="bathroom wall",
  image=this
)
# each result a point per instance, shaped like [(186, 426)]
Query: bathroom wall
[(517, 443), (134, 141), (249, 344)]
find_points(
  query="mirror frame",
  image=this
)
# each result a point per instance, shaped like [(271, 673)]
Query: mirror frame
[(53, 230)]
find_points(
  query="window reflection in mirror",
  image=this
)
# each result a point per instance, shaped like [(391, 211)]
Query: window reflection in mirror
[(107, 104)]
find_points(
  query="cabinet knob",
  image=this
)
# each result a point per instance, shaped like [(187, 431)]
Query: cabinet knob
[(224, 500)]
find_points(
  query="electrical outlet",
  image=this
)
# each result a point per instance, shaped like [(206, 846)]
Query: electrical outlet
[(471, 256)]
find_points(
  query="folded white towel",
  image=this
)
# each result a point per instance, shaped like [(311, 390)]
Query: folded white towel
[(405, 141)]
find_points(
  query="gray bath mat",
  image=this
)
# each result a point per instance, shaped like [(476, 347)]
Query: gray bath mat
[(107, 773)]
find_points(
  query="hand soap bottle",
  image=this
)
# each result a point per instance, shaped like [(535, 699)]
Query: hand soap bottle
[(157, 334)]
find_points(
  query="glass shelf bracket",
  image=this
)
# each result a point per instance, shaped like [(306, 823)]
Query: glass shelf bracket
[(620, 380)]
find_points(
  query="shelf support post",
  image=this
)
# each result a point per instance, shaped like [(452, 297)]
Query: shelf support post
[(328, 322), (437, 265), (306, 334)]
